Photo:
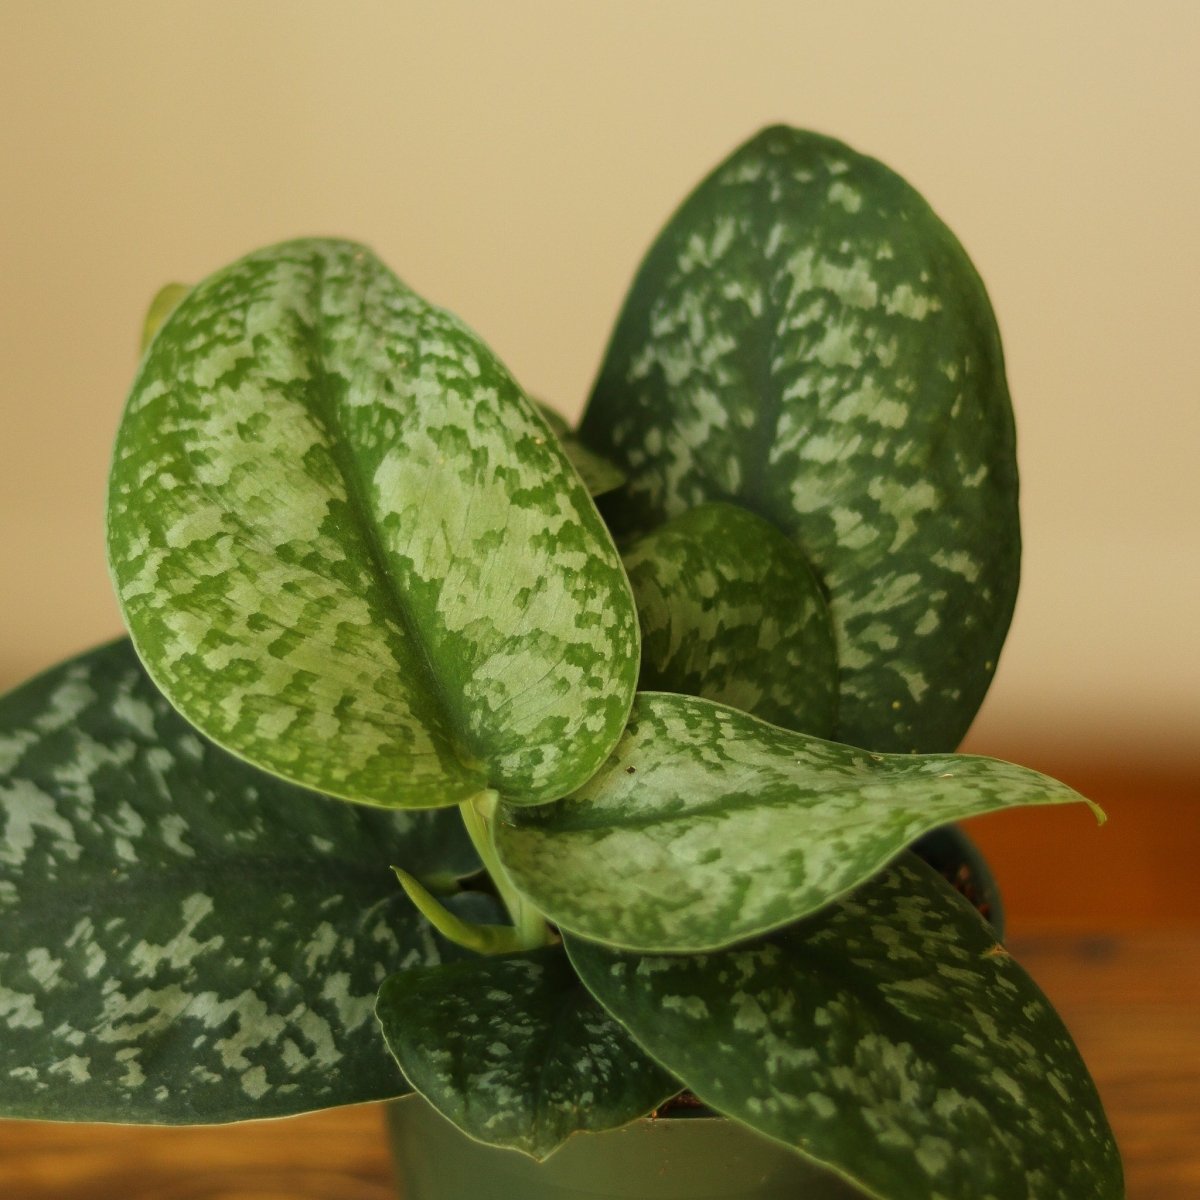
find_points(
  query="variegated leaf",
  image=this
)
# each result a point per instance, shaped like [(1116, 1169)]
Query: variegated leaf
[(515, 1051), (707, 826), (731, 611), (890, 1038), (184, 939), (349, 550), (598, 474), (807, 339)]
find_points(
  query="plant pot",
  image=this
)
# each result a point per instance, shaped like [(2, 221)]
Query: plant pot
[(951, 853), (697, 1157)]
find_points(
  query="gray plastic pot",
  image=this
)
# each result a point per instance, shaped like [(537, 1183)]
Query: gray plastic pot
[(678, 1158)]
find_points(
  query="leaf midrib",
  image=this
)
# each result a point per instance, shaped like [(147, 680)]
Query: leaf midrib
[(327, 412)]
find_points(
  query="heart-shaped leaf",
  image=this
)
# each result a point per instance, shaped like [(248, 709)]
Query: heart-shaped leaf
[(349, 550), (515, 1051), (731, 611), (807, 339), (707, 826), (182, 938), (890, 1038)]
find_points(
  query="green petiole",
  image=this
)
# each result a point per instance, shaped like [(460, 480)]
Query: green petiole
[(479, 814)]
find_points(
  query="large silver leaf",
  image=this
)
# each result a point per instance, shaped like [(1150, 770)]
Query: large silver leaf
[(807, 339), (350, 550), (707, 826), (182, 938), (890, 1038)]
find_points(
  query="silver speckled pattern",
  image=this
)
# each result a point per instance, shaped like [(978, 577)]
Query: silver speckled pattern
[(890, 1038), (350, 550), (707, 825), (184, 939), (807, 339), (515, 1051)]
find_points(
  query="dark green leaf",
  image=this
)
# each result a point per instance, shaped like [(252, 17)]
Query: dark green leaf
[(731, 611), (807, 339), (707, 826), (348, 551), (890, 1038), (182, 938), (515, 1051)]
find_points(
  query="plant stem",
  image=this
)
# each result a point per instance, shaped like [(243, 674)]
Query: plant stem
[(479, 814), (484, 939)]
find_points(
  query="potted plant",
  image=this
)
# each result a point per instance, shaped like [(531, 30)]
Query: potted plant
[(358, 564)]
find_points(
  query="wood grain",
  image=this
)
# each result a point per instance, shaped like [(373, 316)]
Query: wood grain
[(1130, 1001), (336, 1155)]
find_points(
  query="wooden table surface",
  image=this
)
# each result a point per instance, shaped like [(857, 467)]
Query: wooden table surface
[(1133, 1003)]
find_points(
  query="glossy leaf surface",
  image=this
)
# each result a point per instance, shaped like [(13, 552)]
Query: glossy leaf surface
[(890, 1038), (184, 939), (348, 550), (807, 339), (516, 1052), (707, 826), (731, 612)]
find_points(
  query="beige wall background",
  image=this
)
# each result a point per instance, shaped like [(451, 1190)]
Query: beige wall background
[(512, 161)]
